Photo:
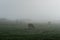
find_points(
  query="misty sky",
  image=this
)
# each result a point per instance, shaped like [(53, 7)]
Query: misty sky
[(30, 9)]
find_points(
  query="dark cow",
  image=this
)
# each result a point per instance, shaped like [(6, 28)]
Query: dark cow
[(31, 26)]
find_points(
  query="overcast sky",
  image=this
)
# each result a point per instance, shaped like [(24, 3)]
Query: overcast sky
[(30, 9)]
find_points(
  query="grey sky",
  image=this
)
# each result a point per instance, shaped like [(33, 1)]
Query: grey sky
[(30, 9)]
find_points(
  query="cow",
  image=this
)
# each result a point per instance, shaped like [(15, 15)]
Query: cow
[(31, 26)]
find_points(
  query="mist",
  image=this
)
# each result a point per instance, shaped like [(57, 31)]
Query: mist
[(29, 19), (38, 10)]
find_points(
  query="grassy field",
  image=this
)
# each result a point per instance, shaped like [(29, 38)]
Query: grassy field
[(41, 32)]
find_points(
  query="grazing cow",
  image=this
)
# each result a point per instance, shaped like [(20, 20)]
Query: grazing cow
[(49, 23), (30, 26)]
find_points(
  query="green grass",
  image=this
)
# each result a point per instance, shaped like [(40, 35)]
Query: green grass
[(42, 32), (31, 37)]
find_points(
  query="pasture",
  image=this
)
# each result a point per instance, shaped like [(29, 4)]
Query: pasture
[(21, 32)]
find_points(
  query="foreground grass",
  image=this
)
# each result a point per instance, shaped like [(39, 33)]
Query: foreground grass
[(12, 32), (40, 36), (31, 37)]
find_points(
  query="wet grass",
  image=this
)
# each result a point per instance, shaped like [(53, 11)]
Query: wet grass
[(11, 32)]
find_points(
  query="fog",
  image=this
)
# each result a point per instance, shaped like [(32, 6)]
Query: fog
[(40, 10)]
